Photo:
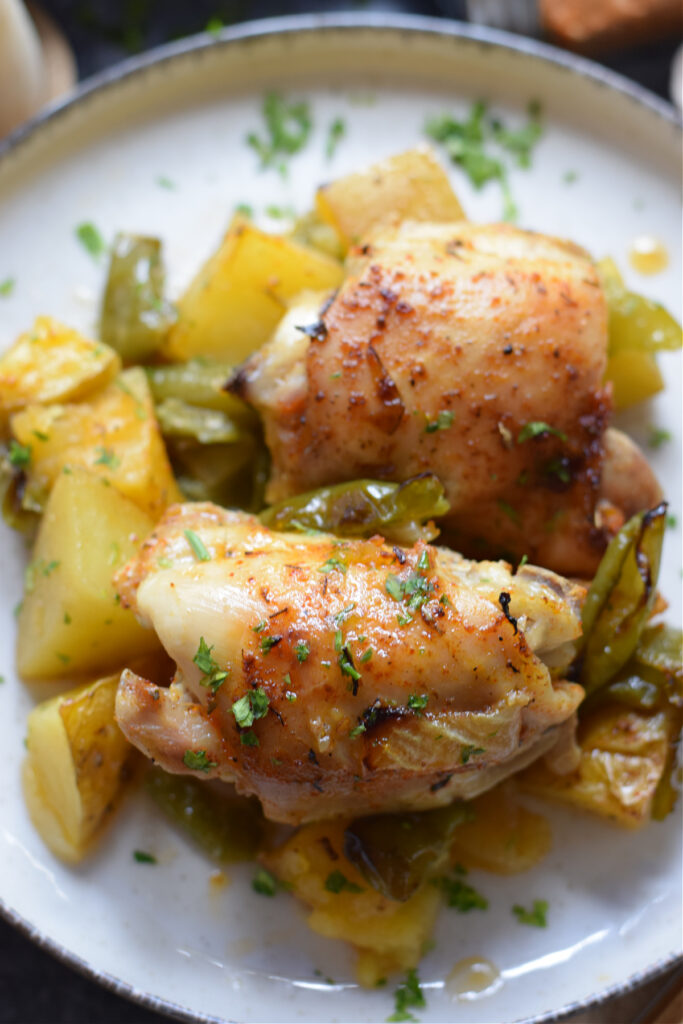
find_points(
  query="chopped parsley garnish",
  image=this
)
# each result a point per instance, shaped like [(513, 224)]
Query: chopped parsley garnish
[(423, 560), (357, 730), (459, 895), (536, 429), (264, 883), (197, 761), (559, 467), (268, 642), (671, 522), (393, 587), (569, 177), (164, 182), (259, 627), (302, 650), (245, 210), (509, 511), (288, 126), (214, 26), (290, 696), (404, 620), (7, 287), (522, 562), (214, 676), (144, 858), (331, 564), (249, 739), (335, 133), (418, 702), (281, 212), (197, 545), (250, 707), (344, 614), (106, 457), (469, 751), (479, 145), (337, 882), (91, 240), (19, 454), (345, 661), (658, 437), (407, 995), (443, 421), (338, 640), (444, 600), (366, 655), (536, 917)]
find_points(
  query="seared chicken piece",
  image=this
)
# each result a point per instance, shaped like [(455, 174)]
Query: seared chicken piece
[(475, 352), (334, 677)]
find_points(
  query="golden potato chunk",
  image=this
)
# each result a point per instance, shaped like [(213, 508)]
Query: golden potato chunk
[(409, 186), (71, 621), (242, 291), (113, 434), (624, 754), (75, 767), (53, 363), (388, 935)]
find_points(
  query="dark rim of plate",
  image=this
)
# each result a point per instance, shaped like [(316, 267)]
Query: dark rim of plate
[(381, 22)]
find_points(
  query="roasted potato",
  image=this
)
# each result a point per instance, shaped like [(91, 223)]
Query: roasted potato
[(238, 296), (75, 767), (52, 363), (409, 186), (624, 754), (388, 935), (503, 836), (113, 434), (71, 621)]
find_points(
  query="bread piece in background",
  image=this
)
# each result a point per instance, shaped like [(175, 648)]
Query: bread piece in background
[(598, 25)]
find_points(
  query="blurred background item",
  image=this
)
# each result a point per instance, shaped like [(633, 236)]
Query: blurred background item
[(36, 63)]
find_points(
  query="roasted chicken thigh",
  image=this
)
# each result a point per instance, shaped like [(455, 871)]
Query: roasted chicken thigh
[(330, 677), (471, 351)]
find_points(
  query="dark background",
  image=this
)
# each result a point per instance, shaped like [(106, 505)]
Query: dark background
[(34, 987)]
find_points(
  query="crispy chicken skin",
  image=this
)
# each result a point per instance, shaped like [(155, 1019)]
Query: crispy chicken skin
[(447, 349), (395, 678)]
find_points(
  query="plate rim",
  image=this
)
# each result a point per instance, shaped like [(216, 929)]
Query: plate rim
[(292, 25)]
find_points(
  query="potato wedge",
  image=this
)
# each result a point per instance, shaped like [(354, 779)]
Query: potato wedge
[(76, 766), (239, 295), (624, 754), (409, 186), (53, 363), (388, 935), (70, 621), (504, 836), (113, 434)]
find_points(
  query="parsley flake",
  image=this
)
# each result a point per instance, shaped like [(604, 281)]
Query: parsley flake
[(7, 287), (197, 761), (418, 703), (407, 995), (345, 662), (537, 428), (366, 655), (107, 457), (337, 882), (536, 917), (658, 437), (331, 564), (302, 650), (335, 133), (268, 642), (164, 182), (19, 454), (443, 421), (357, 730), (469, 751), (144, 858), (510, 512), (460, 895), (264, 883), (214, 676), (251, 706), (91, 240), (197, 545), (288, 126)]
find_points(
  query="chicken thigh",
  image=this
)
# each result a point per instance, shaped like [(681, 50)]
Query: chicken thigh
[(333, 677), (474, 352)]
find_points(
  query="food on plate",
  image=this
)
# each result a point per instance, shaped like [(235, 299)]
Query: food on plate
[(474, 352), (334, 677), (239, 532)]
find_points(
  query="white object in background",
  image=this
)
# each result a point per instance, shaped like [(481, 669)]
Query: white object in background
[(22, 75), (36, 63), (676, 83), (514, 15)]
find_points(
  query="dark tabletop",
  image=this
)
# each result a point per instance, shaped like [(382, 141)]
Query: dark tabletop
[(34, 987)]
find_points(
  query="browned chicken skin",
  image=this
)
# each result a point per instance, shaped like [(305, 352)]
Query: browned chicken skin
[(388, 678), (451, 348)]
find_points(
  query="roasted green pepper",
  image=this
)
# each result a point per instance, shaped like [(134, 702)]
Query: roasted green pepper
[(620, 598), (135, 317), (208, 426), (199, 383), (364, 507), (227, 827), (396, 853)]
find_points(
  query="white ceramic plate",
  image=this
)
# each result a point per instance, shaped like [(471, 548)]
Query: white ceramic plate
[(161, 934)]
